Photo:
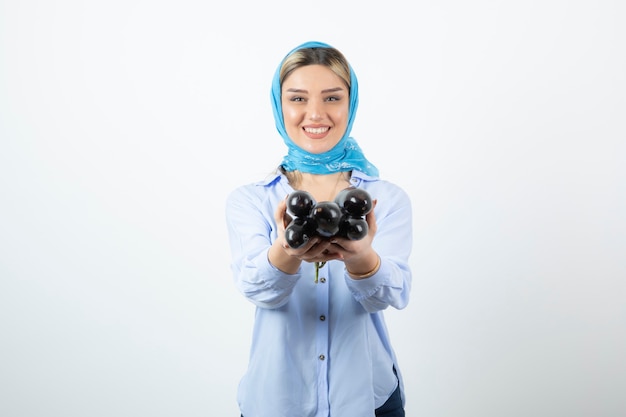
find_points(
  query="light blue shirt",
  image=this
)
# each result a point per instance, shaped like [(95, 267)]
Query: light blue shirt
[(318, 349)]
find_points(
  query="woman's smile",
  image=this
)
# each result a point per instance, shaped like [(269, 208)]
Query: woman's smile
[(316, 132)]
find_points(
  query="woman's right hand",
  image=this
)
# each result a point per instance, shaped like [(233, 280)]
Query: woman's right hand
[(288, 259)]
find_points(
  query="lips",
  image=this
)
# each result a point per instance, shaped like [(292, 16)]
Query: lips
[(319, 132), (316, 130)]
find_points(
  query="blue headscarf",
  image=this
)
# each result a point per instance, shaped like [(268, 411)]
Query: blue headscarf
[(344, 156)]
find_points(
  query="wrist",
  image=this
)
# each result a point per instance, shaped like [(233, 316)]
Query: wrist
[(361, 272), (278, 258)]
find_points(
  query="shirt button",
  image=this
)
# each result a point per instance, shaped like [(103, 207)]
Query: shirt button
[(322, 280), (322, 317), (322, 357)]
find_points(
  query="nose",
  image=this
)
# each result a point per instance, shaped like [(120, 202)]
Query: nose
[(315, 110)]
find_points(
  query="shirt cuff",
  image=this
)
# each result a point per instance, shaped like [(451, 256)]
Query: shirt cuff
[(276, 278), (366, 287)]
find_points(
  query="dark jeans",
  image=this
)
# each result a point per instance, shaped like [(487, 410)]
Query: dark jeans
[(392, 407)]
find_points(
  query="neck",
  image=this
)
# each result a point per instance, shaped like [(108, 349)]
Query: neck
[(323, 187)]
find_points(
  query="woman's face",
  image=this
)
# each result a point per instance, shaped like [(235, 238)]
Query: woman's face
[(315, 105)]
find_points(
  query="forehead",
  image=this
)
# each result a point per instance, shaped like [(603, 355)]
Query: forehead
[(313, 78)]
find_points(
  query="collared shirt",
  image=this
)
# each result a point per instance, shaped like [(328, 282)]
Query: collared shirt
[(318, 349)]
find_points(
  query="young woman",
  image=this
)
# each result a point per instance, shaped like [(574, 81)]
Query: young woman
[(320, 345)]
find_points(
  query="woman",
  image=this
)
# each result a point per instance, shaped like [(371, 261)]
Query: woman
[(320, 344)]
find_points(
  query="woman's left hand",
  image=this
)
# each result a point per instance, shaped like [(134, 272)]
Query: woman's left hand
[(356, 254)]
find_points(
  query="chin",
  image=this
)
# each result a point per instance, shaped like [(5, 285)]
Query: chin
[(318, 147)]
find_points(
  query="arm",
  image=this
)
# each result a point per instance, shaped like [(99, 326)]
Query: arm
[(250, 220), (390, 285)]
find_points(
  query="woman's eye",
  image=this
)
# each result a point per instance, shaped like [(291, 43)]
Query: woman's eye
[(333, 98), (296, 99)]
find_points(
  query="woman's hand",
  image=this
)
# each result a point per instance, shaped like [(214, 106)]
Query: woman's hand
[(288, 259), (317, 249), (358, 255)]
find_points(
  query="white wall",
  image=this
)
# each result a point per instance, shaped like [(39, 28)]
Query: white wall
[(124, 124)]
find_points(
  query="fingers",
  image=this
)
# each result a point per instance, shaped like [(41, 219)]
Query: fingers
[(316, 250)]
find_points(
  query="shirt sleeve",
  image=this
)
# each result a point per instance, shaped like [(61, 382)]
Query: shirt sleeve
[(391, 285), (250, 224)]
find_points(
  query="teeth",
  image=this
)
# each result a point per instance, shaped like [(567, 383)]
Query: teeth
[(316, 130)]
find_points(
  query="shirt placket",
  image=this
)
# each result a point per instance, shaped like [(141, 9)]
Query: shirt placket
[(322, 344)]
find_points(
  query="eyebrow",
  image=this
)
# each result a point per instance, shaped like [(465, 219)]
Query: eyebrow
[(328, 90)]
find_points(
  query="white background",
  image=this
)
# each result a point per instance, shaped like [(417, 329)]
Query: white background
[(124, 124)]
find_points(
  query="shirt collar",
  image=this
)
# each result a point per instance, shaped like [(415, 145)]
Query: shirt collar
[(356, 177)]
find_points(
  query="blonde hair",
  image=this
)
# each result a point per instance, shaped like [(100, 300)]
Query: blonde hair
[(326, 56)]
